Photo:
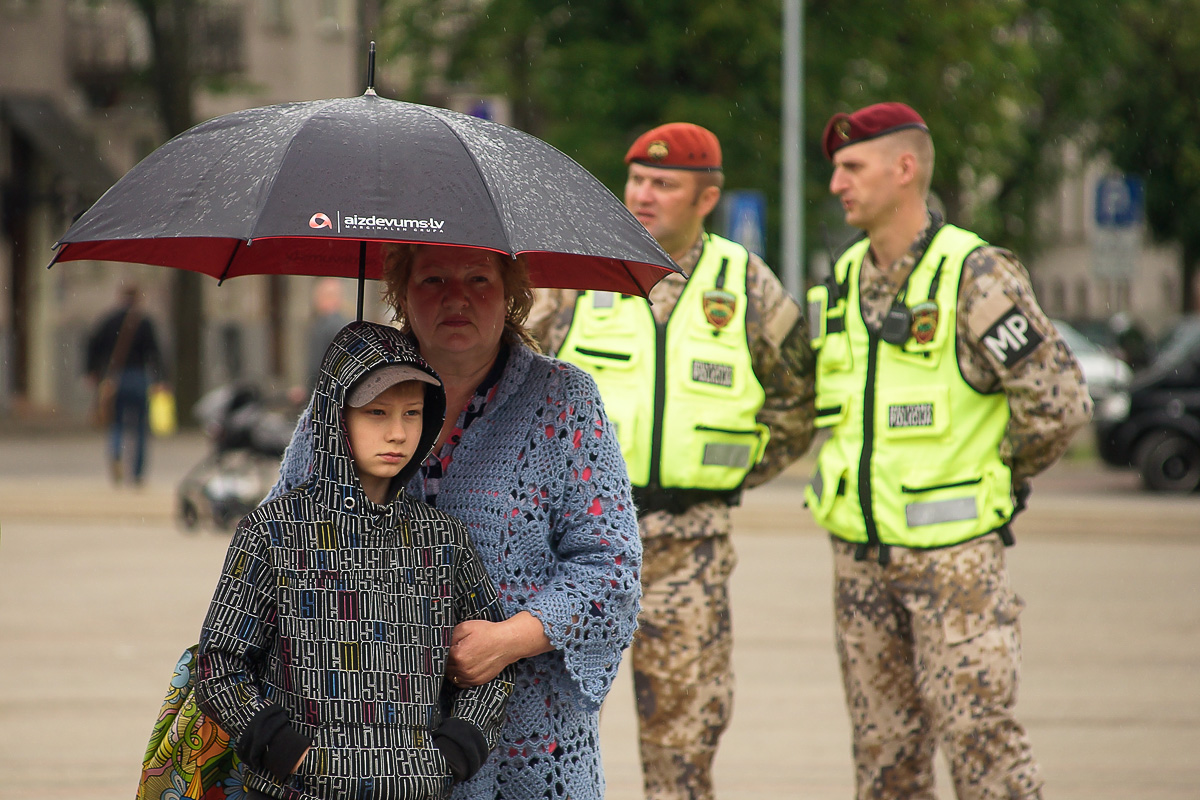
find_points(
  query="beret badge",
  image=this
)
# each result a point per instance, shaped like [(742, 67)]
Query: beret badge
[(842, 128), (676, 145)]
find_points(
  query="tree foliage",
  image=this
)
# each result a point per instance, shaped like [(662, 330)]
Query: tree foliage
[(1002, 83), (590, 76), (1152, 127), (963, 66)]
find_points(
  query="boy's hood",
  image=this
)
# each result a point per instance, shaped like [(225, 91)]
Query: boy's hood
[(357, 349)]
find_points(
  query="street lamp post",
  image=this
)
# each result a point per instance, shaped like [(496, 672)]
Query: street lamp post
[(793, 152)]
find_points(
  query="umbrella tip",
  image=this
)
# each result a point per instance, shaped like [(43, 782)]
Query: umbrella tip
[(371, 68)]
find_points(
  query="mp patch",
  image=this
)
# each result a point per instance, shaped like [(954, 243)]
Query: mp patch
[(914, 415), (716, 374), (1011, 338)]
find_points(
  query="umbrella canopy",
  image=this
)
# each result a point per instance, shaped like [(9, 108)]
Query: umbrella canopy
[(297, 188)]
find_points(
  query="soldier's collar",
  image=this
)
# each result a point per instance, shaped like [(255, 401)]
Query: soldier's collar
[(926, 238), (692, 257)]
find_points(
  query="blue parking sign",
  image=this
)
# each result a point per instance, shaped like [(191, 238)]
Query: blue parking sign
[(1120, 201), (746, 220)]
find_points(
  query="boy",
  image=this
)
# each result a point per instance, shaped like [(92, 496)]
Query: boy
[(323, 654)]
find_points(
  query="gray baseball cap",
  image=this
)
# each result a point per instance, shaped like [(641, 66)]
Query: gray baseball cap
[(380, 379)]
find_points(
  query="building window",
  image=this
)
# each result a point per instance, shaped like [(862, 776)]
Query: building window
[(334, 18), (1082, 305), (275, 15), (19, 7), (1058, 296), (219, 43), (1124, 295)]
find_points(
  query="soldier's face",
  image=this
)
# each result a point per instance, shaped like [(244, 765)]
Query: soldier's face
[(670, 203), (866, 180)]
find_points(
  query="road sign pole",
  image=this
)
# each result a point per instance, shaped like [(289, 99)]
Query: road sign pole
[(793, 152)]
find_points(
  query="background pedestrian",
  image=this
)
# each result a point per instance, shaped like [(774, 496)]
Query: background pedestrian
[(123, 362), (329, 317)]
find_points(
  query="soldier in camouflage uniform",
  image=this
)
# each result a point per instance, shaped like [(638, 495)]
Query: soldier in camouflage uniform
[(945, 389), (681, 655)]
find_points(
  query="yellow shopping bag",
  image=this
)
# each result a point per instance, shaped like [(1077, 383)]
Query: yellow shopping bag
[(162, 411)]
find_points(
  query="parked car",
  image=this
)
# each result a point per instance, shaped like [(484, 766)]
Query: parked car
[(1120, 335), (1104, 372), (1154, 426)]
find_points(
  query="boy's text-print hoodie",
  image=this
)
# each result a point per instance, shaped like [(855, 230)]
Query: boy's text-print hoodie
[(332, 620)]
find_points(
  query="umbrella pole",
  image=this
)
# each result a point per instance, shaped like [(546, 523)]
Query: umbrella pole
[(371, 68), (362, 246), (362, 276)]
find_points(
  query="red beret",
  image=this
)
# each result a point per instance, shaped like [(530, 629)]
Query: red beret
[(868, 123), (677, 145)]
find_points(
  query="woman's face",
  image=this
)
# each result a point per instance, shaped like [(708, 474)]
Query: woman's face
[(455, 301)]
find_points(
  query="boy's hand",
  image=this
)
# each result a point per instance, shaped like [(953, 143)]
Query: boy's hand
[(296, 768), (479, 649)]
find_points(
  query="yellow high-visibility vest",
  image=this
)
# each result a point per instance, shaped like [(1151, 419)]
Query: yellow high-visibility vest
[(913, 457), (683, 396)]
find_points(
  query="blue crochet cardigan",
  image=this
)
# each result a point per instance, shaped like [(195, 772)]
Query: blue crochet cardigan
[(540, 483)]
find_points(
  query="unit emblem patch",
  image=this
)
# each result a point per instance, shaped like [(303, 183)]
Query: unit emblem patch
[(719, 307), (924, 321)]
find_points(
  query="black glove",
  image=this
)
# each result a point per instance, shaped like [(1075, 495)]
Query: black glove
[(1021, 497), (271, 743), (463, 746)]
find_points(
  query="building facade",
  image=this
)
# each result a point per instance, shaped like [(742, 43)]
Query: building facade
[(75, 114), (1101, 260)]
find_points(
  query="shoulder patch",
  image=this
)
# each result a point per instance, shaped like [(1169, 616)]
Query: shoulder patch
[(1011, 338)]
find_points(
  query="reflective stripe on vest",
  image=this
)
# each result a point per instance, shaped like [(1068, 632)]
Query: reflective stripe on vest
[(913, 458), (691, 380)]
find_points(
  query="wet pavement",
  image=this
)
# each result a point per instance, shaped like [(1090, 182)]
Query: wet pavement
[(100, 590)]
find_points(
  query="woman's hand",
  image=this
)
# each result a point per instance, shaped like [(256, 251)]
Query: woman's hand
[(479, 649)]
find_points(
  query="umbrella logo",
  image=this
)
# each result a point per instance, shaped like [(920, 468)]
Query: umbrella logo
[(320, 220), (375, 223)]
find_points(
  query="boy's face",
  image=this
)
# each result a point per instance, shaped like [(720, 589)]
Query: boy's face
[(384, 433)]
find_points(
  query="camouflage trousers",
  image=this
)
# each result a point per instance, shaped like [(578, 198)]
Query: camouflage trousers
[(682, 663), (930, 650)]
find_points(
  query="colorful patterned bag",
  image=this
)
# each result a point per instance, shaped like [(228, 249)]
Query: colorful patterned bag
[(188, 756)]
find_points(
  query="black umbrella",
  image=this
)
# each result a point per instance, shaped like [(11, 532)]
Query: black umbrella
[(313, 188)]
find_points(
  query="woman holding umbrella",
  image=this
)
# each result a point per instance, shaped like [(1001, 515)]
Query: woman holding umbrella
[(527, 459)]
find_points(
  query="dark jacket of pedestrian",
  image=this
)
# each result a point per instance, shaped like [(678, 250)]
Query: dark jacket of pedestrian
[(143, 351)]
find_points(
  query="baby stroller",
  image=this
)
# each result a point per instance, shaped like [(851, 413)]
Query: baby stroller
[(248, 439)]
